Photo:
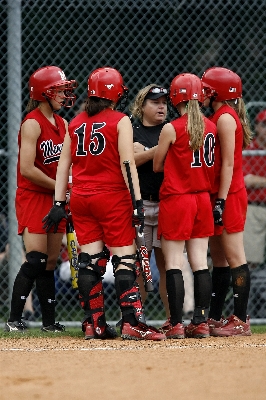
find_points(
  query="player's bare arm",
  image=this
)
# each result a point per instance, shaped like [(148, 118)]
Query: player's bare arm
[(167, 137), (255, 181), (142, 154), (226, 130), (30, 132), (63, 169), (126, 152)]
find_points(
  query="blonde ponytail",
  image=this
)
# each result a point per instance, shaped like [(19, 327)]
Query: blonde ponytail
[(195, 125), (239, 106)]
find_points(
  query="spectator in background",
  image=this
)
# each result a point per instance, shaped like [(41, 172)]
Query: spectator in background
[(81, 107), (28, 312), (150, 111), (3, 235), (254, 168)]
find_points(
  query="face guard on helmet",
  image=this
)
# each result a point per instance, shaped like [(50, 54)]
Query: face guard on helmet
[(45, 83), (221, 84), (185, 87), (107, 83)]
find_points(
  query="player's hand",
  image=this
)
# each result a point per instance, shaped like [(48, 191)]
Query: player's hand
[(218, 211), (55, 216), (138, 147), (139, 215)]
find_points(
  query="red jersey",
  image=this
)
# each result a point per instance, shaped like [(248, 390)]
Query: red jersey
[(255, 165), (237, 182), (48, 149), (94, 150), (187, 171)]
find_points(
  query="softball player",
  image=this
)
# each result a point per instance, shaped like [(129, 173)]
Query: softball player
[(40, 142), (100, 139), (185, 153), (223, 89)]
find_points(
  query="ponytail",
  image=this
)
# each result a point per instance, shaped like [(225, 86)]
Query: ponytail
[(32, 104), (239, 106), (195, 125)]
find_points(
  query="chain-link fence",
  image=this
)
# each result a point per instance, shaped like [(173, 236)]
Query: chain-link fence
[(147, 41)]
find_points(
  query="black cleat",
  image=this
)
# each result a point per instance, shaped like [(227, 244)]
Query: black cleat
[(56, 327), (15, 326)]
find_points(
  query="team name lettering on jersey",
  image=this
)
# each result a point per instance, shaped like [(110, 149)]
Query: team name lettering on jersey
[(51, 151)]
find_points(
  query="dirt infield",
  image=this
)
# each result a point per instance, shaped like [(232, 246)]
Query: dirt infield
[(66, 368)]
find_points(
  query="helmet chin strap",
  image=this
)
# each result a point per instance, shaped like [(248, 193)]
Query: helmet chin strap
[(178, 113), (48, 101), (212, 99)]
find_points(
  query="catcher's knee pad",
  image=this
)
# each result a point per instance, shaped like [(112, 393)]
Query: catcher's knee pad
[(35, 264), (94, 306), (134, 266), (130, 301), (85, 260)]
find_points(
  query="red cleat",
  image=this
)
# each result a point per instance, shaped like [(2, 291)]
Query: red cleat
[(197, 331), (89, 331), (164, 326), (141, 332), (213, 323), (109, 333), (233, 326), (173, 332)]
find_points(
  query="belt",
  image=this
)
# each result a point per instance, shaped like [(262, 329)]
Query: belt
[(150, 197)]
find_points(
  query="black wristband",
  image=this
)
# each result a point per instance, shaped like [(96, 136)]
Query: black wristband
[(139, 203), (60, 203), (220, 202)]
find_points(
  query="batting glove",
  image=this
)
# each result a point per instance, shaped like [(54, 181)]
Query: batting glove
[(218, 211), (55, 216), (139, 215)]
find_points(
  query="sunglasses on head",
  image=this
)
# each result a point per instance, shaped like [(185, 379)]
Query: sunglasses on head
[(158, 90)]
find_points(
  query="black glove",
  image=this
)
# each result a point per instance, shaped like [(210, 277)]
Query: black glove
[(138, 218), (55, 216), (218, 211)]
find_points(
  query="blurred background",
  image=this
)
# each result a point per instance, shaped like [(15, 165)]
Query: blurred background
[(148, 41)]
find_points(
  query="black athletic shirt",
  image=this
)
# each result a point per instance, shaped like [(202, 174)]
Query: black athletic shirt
[(149, 181)]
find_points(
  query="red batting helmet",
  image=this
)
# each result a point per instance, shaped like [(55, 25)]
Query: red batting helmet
[(106, 83), (222, 84), (186, 87), (44, 82)]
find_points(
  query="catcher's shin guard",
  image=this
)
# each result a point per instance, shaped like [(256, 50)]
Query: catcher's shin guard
[(129, 299), (91, 288), (93, 305)]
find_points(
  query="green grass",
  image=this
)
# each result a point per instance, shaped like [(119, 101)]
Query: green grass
[(258, 328), (77, 333), (37, 333)]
